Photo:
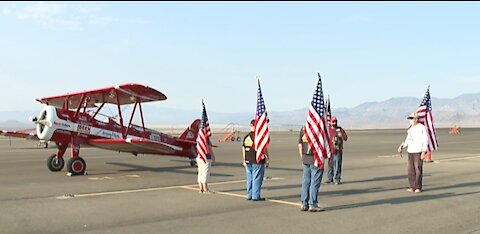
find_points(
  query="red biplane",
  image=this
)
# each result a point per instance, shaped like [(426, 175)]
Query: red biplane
[(72, 120)]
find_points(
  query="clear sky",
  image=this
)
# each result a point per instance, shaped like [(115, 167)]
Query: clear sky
[(365, 51)]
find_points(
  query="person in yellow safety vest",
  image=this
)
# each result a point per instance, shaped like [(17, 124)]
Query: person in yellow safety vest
[(254, 171)]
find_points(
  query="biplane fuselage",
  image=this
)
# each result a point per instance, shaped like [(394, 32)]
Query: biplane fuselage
[(87, 130)]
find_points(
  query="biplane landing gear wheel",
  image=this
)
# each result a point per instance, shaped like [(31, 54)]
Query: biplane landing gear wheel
[(193, 163), (76, 166), (54, 163), (233, 138), (239, 139)]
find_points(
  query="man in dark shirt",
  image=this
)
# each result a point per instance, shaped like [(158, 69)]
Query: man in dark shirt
[(254, 171), (337, 137), (312, 175)]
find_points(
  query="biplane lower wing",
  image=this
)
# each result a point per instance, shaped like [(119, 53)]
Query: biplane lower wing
[(19, 134), (137, 146)]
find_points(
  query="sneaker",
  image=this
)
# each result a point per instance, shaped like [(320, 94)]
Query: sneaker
[(428, 161), (304, 208), (249, 198), (417, 191), (410, 190), (328, 182), (316, 209), (208, 192), (337, 183), (260, 199)]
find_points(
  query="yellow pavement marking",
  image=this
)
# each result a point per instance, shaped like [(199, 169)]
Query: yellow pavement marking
[(189, 187), (455, 159), (243, 196), (285, 202)]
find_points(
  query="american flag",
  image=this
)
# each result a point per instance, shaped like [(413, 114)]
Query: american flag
[(262, 136), (203, 138), (316, 127), (328, 110), (425, 116)]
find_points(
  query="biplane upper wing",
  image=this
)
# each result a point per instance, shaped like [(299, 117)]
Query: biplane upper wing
[(126, 94), (19, 134), (135, 145)]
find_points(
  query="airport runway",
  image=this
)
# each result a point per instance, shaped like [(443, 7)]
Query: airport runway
[(157, 194)]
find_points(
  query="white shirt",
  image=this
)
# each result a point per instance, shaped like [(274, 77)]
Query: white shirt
[(417, 139)]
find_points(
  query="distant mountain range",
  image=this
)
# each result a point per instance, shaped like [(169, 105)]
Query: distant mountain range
[(463, 110)]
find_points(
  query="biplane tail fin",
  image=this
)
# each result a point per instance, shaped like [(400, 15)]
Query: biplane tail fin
[(190, 134)]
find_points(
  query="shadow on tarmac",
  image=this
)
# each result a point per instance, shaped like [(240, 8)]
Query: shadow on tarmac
[(239, 165), (399, 200), (397, 177), (181, 169)]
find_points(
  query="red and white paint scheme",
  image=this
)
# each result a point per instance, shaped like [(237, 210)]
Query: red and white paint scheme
[(73, 120)]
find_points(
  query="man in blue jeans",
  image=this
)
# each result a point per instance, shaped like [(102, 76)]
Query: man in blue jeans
[(254, 171), (337, 137), (312, 176)]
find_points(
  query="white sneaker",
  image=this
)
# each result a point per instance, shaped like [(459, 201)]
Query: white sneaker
[(316, 209), (208, 192)]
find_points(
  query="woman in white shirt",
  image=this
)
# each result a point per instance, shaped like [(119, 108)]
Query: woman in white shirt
[(417, 143)]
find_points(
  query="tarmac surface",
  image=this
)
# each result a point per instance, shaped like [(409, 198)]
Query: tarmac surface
[(158, 194)]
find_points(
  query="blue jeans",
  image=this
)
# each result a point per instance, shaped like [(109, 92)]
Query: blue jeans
[(254, 174), (312, 177), (337, 164)]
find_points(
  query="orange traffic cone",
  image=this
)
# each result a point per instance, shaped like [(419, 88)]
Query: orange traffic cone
[(428, 157)]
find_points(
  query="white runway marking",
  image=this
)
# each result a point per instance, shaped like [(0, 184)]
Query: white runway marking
[(115, 177), (149, 189), (456, 159), (435, 161), (389, 156)]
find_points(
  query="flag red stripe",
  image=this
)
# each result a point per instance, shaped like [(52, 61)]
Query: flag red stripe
[(203, 136), (262, 137), (433, 144), (426, 117), (202, 145), (316, 136)]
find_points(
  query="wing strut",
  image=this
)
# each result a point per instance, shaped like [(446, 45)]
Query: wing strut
[(79, 106), (141, 116), (131, 117), (98, 110), (124, 135)]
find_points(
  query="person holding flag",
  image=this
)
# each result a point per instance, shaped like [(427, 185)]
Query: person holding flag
[(254, 150), (205, 155), (337, 137), (313, 146), (417, 143), (421, 141)]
